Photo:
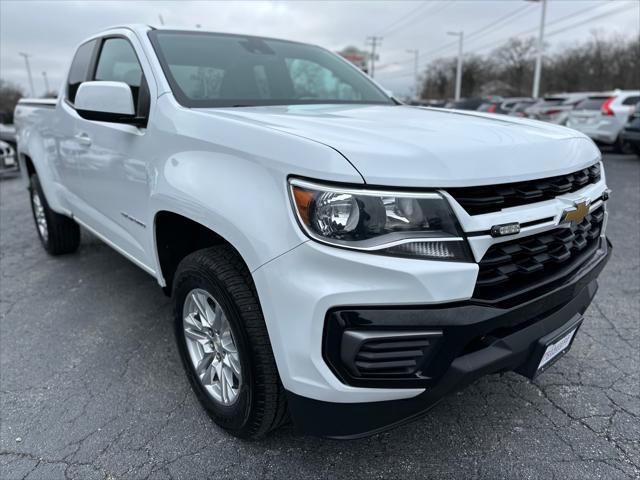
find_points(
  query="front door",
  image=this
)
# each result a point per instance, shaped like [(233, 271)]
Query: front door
[(116, 183)]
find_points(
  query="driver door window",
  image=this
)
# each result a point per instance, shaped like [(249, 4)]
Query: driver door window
[(118, 63)]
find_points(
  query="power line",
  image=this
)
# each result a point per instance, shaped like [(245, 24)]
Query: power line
[(430, 53), (515, 13), (394, 25), (554, 22), (575, 25), (442, 7), (518, 12)]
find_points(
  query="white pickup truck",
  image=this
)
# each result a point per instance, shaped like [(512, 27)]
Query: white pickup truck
[(334, 257)]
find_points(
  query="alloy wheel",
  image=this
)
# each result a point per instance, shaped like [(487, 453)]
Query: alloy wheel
[(41, 219), (211, 346)]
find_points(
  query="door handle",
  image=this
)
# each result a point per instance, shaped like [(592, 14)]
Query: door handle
[(83, 139)]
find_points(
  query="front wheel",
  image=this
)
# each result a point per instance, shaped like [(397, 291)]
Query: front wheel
[(58, 234), (224, 344)]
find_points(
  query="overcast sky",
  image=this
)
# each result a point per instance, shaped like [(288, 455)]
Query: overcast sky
[(50, 30)]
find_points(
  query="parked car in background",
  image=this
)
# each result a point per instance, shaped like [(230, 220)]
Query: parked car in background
[(556, 108), (505, 105), (7, 157), (603, 116), (426, 103), (519, 108), (8, 133), (631, 132), (472, 103)]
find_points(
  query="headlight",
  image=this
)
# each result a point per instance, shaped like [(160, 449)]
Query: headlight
[(405, 224)]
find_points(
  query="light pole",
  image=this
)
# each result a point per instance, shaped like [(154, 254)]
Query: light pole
[(416, 53), (373, 42), (538, 70), (26, 61), (460, 36), (46, 83)]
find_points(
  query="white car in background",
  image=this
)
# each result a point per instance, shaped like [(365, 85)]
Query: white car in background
[(7, 157), (603, 116), (556, 108)]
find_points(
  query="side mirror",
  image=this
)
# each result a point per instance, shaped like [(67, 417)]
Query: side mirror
[(105, 101)]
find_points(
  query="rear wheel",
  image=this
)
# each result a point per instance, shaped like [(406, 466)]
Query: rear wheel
[(58, 233), (224, 344), (623, 147)]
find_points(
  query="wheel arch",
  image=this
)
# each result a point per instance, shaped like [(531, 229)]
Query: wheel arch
[(176, 236), (29, 167)]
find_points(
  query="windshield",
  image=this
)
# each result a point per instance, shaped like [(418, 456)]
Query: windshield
[(223, 70)]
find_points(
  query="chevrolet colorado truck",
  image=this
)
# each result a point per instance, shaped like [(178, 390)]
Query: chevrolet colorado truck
[(334, 257)]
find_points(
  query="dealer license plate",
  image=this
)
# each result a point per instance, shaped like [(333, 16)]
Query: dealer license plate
[(557, 348)]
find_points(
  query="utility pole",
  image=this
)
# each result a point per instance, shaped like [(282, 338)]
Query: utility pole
[(161, 19), (26, 61), (46, 83), (373, 42), (416, 53), (460, 36), (538, 71)]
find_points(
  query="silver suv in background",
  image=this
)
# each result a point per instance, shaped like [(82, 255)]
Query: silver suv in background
[(603, 116), (504, 105), (556, 108), (519, 109), (631, 132)]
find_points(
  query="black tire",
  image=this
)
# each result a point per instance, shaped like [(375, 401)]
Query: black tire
[(261, 403), (63, 234), (622, 147)]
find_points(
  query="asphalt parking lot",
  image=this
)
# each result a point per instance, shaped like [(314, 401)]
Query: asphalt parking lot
[(91, 385)]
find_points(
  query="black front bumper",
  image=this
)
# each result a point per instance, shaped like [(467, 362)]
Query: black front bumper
[(476, 339)]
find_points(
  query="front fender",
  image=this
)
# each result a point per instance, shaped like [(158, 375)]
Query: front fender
[(245, 205), (231, 177)]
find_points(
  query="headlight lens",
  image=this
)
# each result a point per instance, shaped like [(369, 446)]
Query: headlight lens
[(418, 225)]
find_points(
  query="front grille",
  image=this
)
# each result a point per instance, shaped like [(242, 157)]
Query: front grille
[(527, 262), (493, 198)]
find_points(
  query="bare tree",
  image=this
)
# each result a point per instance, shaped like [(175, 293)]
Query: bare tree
[(598, 64), (9, 96), (515, 63)]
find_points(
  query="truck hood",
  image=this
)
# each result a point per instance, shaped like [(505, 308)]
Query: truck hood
[(424, 147)]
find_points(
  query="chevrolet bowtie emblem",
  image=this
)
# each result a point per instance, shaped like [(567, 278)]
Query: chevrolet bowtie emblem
[(576, 213)]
